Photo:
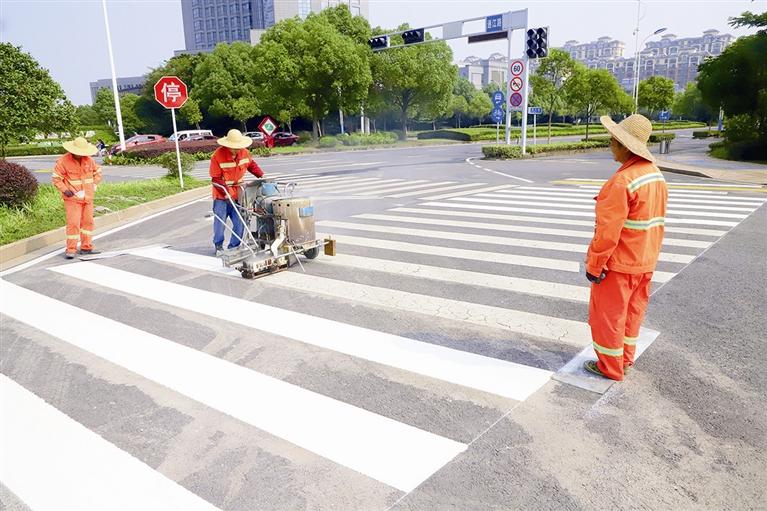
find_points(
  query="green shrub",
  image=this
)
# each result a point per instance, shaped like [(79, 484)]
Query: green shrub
[(747, 150), (33, 150), (705, 133), (401, 135), (568, 146), (597, 139), (657, 137), (351, 140), (168, 162), (502, 151), (303, 137), (328, 142), (262, 152), (149, 151), (17, 184)]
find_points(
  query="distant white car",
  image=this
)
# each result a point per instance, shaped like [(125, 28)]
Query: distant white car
[(186, 134), (255, 135)]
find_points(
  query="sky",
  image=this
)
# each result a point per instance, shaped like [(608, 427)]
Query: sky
[(68, 37)]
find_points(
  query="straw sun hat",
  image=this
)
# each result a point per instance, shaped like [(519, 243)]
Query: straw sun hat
[(633, 132), (80, 147), (235, 140)]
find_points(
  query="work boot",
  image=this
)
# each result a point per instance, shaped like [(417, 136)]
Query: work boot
[(69, 255), (219, 250), (89, 251)]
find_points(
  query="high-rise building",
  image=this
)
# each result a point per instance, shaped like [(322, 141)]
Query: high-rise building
[(125, 85), (480, 72), (209, 22)]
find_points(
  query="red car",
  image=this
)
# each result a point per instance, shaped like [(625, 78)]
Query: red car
[(284, 139), (137, 140)]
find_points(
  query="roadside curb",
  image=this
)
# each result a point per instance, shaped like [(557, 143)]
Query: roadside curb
[(754, 177), (21, 251)]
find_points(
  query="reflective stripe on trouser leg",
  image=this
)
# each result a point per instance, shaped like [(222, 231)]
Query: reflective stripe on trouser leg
[(86, 227), (637, 307), (607, 317), (74, 211)]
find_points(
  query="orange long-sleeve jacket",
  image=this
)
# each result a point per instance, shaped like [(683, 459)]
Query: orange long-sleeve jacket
[(73, 175), (228, 171), (630, 219)]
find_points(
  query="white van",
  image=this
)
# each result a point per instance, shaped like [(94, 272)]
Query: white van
[(186, 134)]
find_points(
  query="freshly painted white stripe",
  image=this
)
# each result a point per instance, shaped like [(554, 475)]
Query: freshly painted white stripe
[(713, 198), (489, 226), (343, 165), (676, 190), (469, 278), (470, 162), (575, 197), (677, 183), (393, 188), (587, 207), (440, 189), (326, 179), (429, 185), (541, 220), (468, 192), (587, 214), (386, 450), (507, 379), (491, 240), (53, 462), (472, 255)]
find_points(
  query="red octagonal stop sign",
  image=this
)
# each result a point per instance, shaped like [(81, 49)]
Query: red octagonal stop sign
[(170, 92)]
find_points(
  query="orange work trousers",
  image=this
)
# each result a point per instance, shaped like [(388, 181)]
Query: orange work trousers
[(79, 225), (616, 311)]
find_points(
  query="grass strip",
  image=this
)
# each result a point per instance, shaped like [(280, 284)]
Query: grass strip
[(46, 211)]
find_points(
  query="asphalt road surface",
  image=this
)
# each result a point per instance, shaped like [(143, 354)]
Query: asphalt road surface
[(411, 371)]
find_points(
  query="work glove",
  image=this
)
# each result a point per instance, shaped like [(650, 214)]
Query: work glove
[(594, 279), (80, 194), (69, 193), (95, 187)]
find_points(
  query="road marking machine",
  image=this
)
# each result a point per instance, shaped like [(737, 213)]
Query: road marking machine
[(278, 228)]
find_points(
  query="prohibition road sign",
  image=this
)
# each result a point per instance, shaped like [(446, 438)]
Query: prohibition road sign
[(515, 99), (517, 67), (516, 84)]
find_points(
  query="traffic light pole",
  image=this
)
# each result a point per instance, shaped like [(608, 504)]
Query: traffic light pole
[(524, 105), (508, 90)]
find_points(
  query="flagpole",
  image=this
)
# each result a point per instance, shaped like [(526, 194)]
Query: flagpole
[(114, 79)]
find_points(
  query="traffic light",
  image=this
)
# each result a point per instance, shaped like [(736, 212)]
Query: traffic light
[(379, 43), (537, 43), (413, 36)]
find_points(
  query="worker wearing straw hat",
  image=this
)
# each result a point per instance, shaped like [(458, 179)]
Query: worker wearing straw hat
[(76, 176), (227, 168), (630, 215)]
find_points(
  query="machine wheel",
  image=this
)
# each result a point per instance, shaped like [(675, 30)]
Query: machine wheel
[(312, 253)]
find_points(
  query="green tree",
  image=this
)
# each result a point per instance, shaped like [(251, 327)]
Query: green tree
[(479, 106), (87, 116), (415, 78), (593, 92), (61, 119), (736, 80), (190, 112), (30, 100), (459, 107), (105, 108), (310, 66), (549, 80), (655, 94), (356, 28), (689, 104), (224, 82)]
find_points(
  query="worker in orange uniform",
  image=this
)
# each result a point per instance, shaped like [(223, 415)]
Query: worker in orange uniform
[(227, 168), (76, 176), (630, 217)]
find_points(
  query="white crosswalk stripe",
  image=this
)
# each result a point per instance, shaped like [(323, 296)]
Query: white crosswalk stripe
[(479, 289)]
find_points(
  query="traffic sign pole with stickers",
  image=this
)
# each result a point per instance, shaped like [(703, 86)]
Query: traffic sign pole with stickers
[(172, 93), (497, 113), (517, 94)]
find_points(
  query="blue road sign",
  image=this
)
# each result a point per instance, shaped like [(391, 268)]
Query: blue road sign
[(498, 98), (664, 115), (534, 110), (497, 114), (494, 23)]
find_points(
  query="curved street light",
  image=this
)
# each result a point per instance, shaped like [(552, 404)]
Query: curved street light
[(636, 68)]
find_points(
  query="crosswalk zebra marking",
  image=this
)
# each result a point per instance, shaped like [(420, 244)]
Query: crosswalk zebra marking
[(499, 377), (355, 185), (439, 189), (540, 220), (675, 201), (53, 462), (468, 192), (388, 451), (473, 255), (488, 226), (669, 212), (587, 214), (411, 186), (493, 240), (722, 200)]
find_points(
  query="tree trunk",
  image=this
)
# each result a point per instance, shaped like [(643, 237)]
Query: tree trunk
[(404, 125), (551, 114), (434, 125), (197, 124), (588, 119), (315, 129)]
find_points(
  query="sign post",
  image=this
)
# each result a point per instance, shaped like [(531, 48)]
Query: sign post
[(497, 113), (517, 87), (535, 111), (172, 93)]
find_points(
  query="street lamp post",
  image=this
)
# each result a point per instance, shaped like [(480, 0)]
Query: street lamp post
[(637, 63)]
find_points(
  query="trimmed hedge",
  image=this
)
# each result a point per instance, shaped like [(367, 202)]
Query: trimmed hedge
[(514, 151), (502, 152), (33, 150), (460, 134), (705, 134), (328, 142), (657, 137)]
